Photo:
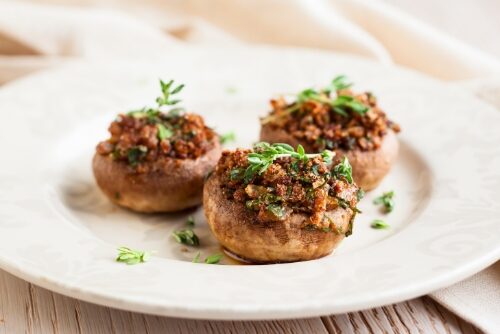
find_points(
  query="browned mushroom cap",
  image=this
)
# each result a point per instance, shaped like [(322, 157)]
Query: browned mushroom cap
[(369, 167), (238, 230), (169, 185)]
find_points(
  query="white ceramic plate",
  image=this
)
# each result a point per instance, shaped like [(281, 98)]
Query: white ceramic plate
[(58, 231)]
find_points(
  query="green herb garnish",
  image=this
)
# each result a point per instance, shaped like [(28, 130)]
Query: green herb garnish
[(163, 131), (379, 224), (150, 113), (345, 103), (153, 114), (214, 258), (190, 221), (360, 194), (130, 256), (227, 137), (343, 169), (340, 104), (266, 153), (235, 174), (211, 259), (387, 200), (135, 154), (168, 90), (277, 210), (186, 237), (338, 83)]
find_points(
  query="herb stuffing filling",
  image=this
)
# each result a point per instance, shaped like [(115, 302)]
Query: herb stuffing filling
[(332, 118), (275, 181), (149, 134)]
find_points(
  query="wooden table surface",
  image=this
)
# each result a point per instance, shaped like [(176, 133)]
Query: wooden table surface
[(26, 308)]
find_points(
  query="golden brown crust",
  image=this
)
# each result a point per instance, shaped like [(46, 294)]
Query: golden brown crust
[(369, 167), (238, 230), (174, 185)]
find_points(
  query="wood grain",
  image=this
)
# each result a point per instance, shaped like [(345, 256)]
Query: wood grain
[(26, 308)]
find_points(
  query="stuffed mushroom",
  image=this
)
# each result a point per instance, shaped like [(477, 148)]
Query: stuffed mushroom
[(336, 118), (273, 204), (156, 159)]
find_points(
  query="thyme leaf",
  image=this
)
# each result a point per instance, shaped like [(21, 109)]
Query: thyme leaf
[(164, 132), (343, 169), (264, 155), (168, 90), (153, 114), (135, 154), (340, 104), (214, 258), (190, 221), (131, 256), (379, 224), (343, 104), (338, 83), (186, 237), (387, 200)]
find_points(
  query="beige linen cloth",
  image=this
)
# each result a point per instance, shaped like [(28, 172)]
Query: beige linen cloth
[(35, 36)]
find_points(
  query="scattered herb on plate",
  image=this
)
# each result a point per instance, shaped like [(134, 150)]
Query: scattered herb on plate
[(131, 256), (379, 224), (190, 221), (186, 237), (387, 200), (214, 258), (211, 259)]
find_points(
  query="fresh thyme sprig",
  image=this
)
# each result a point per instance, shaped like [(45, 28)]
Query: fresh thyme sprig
[(131, 256), (340, 104), (387, 200), (211, 259), (186, 237), (265, 154), (168, 90), (214, 258), (344, 169), (379, 224), (338, 83)]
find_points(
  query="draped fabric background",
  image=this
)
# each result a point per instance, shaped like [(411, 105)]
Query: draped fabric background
[(40, 34)]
